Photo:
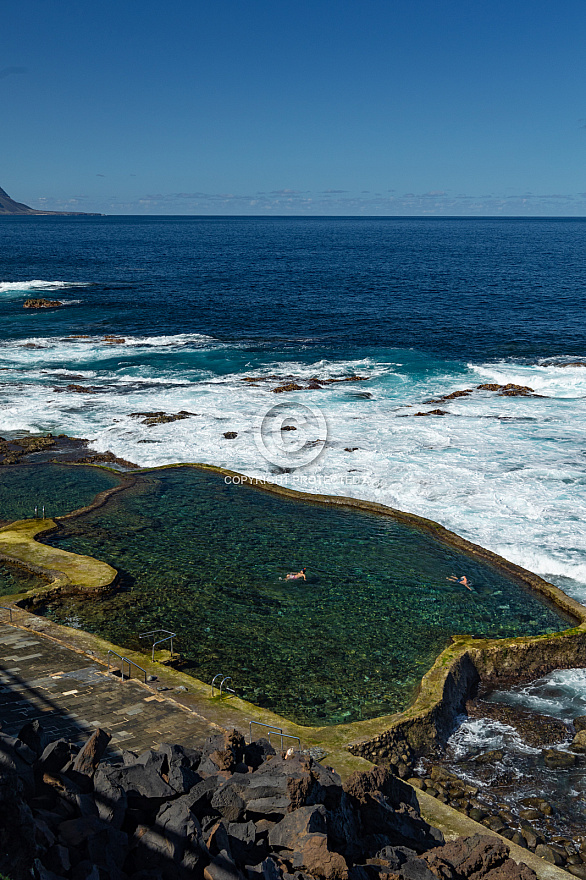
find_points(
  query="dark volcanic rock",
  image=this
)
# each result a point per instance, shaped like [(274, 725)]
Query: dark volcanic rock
[(34, 737), (106, 458), (230, 812), (90, 755), (181, 775), (509, 390), (55, 756), (433, 412), (18, 848), (41, 303), (294, 828), (558, 759), (470, 856), (160, 418), (317, 859), (143, 781), (110, 798), (380, 779), (290, 386), (79, 389), (387, 804)]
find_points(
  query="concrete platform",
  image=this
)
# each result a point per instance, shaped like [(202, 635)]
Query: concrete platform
[(71, 695), (57, 675)]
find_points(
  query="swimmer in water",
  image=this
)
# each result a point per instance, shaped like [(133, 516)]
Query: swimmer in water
[(461, 580), (296, 575)]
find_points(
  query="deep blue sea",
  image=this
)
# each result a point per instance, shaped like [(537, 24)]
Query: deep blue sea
[(172, 314)]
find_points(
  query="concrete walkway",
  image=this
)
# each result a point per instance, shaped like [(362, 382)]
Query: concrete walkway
[(71, 695)]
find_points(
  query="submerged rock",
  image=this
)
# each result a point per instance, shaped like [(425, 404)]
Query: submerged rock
[(557, 759), (534, 729)]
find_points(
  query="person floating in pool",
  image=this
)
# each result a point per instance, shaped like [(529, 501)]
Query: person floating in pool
[(461, 580), (296, 575)]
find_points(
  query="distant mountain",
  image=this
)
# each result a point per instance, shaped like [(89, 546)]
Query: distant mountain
[(9, 206)]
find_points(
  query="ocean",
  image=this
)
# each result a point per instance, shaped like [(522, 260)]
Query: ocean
[(205, 317)]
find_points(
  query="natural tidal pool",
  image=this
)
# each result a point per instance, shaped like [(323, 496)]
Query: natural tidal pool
[(59, 488), (208, 560)]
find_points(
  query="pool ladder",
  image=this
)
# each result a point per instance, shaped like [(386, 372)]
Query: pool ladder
[(222, 686)]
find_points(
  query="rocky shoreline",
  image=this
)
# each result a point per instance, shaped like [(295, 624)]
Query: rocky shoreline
[(68, 449), (515, 791), (228, 811)]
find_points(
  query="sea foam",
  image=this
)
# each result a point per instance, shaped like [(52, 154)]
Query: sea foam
[(506, 473), (11, 289)]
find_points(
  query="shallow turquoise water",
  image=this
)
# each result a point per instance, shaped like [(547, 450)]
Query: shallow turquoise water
[(206, 559), (60, 488)]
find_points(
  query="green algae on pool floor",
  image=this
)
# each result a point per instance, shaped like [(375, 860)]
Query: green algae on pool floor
[(59, 488), (208, 561), (16, 580)]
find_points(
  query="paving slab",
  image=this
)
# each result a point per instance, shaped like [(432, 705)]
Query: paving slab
[(71, 696)]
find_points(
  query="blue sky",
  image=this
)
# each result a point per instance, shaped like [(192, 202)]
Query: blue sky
[(233, 107)]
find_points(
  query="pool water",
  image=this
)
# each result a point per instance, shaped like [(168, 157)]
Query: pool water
[(16, 580), (59, 488), (208, 560)]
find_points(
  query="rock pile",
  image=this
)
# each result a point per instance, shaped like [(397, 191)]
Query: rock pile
[(518, 822), (229, 811), (523, 796), (509, 390), (292, 383)]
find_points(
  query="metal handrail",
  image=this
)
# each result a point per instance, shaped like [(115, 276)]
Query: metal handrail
[(125, 660), (222, 683), (169, 637), (7, 608), (277, 730)]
